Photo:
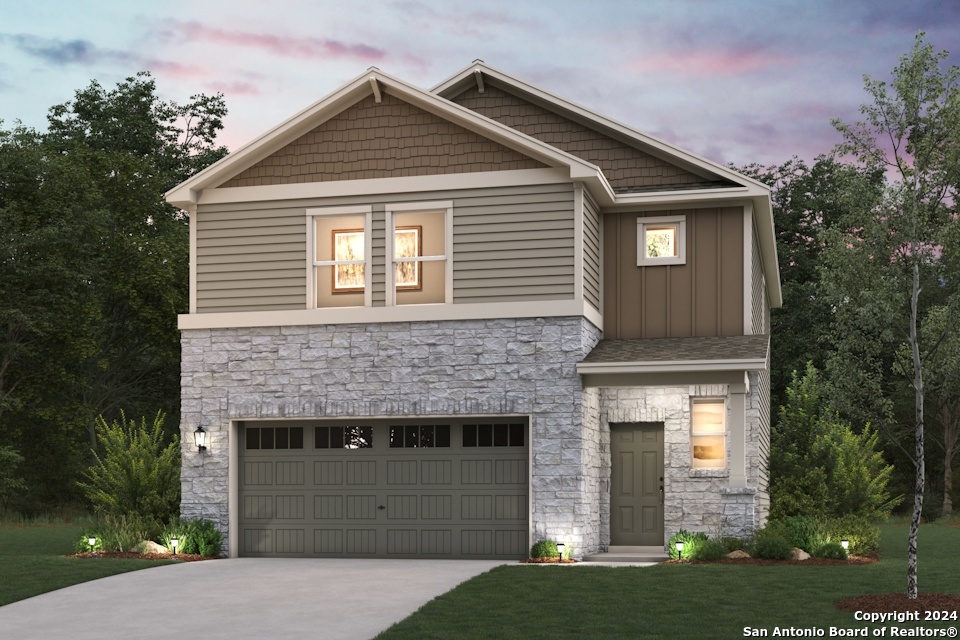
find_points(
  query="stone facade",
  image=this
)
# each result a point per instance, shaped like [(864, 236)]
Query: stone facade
[(464, 367), (694, 499)]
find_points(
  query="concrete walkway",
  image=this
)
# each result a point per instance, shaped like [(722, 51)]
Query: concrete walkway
[(239, 599)]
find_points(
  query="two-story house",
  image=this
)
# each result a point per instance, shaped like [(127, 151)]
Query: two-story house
[(449, 323)]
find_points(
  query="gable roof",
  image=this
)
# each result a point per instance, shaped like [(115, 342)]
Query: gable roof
[(729, 185)]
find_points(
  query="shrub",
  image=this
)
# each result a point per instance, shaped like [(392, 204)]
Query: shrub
[(117, 533), (863, 535), (819, 466), (733, 544), (830, 551), (709, 550), (771, 547), (11, 484), (544, 549), (135, 473), (800, 531), (193, 536), (690, 543)]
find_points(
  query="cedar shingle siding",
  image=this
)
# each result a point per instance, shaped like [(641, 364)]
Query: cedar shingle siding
[(624, 167), (386, 140)]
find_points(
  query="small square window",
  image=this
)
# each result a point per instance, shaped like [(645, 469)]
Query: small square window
[(661, 240)]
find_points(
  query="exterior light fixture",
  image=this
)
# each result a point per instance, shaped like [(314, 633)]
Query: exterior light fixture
[(200, 438), (679, 549), (560, 548), (173, 543), (92, 541), (845, 544)]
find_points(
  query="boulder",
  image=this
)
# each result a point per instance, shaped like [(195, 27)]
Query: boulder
[(799, 554), (738, 554), (150, 546)]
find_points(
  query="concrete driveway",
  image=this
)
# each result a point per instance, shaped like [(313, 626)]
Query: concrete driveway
[(241, 598)]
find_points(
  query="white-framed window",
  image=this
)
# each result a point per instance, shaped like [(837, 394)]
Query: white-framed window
[(708, 433), (340, 255), (420, 254), (661, 240)]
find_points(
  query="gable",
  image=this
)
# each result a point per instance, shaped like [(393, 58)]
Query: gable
[(381, 140), (625, 167)]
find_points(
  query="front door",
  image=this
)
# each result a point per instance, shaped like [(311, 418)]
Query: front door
[(636, 491)]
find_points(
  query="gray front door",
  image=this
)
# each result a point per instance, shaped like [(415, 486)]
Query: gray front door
[(636, 491)]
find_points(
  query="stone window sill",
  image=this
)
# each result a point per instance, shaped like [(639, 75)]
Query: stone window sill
[(709, 473)]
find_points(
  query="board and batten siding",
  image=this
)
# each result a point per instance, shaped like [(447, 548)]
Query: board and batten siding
[(760, 307), (591, 251), (702, 298), (510, 244)]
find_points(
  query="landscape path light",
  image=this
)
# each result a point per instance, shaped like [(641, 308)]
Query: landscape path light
[(845, 544), (92, 541), (173, 543), (680, 549), (560, 548)]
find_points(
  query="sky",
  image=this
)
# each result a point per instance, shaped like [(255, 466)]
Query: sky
[(733, 81)]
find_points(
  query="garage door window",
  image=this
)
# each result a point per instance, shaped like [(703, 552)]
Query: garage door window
[(343, 437), (419, 436), (274, 438), (493, 435)]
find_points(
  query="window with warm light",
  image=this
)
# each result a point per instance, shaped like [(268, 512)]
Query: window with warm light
[(661, 240), (422, 243), (709, 433), (341, 256)]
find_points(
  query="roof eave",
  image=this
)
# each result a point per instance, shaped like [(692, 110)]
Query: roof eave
[(677, 366)]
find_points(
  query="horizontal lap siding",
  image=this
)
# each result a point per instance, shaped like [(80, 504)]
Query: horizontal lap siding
[(591, 252), (252, 260), (510, 243), (514, 244)]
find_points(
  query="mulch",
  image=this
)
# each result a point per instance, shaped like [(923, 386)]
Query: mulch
[(853, 560), (133, 555), (897, 602), (548, 561)]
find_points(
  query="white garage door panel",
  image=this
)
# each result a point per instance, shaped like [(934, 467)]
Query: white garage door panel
[(432, 498)]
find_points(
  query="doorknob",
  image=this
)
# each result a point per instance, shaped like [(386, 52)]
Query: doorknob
[(661, 490), (381, 507)]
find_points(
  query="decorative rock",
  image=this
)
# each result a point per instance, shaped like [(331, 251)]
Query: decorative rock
[(150, 546), (800, 554), (738, 554)]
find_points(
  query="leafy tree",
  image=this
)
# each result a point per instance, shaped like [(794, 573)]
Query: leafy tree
[(819, 466), (806, 201), (136, 473), (93, 270), (895, 253), (10, 482)]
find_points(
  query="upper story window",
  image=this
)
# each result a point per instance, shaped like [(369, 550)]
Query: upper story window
[(422, 272), (341, 256), (661, 240), (708, 433)]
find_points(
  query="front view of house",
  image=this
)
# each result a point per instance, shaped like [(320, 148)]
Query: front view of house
[(449, 323)]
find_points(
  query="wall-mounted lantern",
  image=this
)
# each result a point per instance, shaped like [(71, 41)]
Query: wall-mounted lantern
[(200, 438)]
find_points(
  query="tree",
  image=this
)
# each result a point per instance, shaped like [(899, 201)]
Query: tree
[(819, 466), (806, 202), (896, 252), (93, 270)]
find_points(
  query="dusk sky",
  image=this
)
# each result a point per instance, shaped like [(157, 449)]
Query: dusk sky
[(746, 81)]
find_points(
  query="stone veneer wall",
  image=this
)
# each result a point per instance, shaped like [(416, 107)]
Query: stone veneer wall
[(694, 499), (463, 367)]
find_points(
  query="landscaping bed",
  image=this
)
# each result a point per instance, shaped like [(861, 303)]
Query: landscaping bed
[(133, 555), (891, 602)]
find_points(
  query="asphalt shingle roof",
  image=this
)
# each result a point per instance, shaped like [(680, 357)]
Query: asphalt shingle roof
[(679, 349)]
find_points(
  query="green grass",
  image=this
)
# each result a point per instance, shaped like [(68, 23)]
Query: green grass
[(33, 560), (678, 601)]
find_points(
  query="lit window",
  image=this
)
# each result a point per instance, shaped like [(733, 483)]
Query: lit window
[(661, 240), (340, 260), (709, 433), (420, 253)]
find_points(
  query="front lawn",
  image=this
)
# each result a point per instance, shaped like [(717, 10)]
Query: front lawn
[(680, 600), (33, 560)]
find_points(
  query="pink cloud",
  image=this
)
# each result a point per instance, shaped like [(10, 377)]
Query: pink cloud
[(235, 88), (281, 45), (172, 69), (714, 63)]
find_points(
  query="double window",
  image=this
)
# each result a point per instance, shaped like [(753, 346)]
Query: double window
[(362, 258), (709, 433)]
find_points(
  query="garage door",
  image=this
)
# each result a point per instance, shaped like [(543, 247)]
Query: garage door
[(398, 489)]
